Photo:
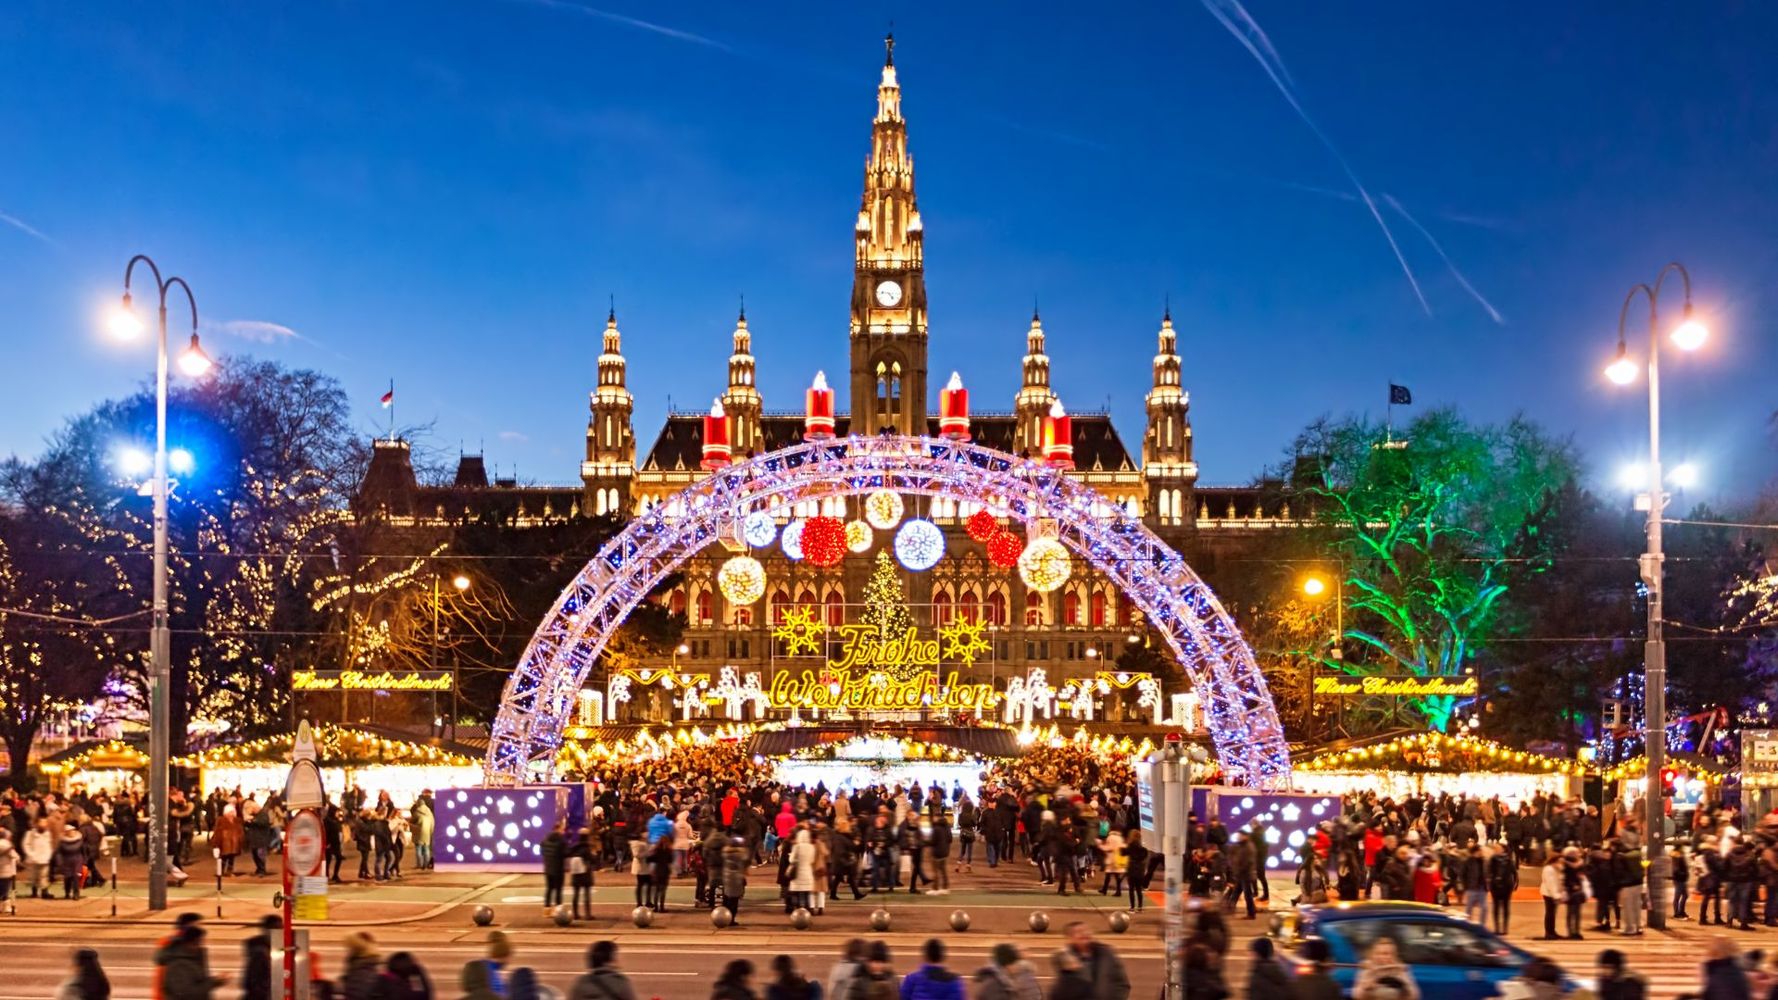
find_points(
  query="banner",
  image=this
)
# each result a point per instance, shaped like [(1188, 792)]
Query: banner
[(1399, 687), (359, 680)]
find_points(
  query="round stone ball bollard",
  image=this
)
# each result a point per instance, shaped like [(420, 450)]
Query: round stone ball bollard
[(1039, 921), (802, 918), (642, 916), (720, 917), (1120, 921), (561, 916), (483, 916), (879, 919), (959, 920)]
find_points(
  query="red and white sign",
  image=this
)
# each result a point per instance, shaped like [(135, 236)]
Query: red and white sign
[(305, 847)]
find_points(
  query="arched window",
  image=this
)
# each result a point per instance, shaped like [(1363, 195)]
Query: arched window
[(836, 609), (780, 605), (941, 608), (969, 607), (997, 608), (677, 603), (1033, 608), (1096, 608), (1071, 608), (743, 616), (807, 597), (1123, 608), (705, 613)]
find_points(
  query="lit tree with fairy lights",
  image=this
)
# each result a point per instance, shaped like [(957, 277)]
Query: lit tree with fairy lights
[(885, 606)]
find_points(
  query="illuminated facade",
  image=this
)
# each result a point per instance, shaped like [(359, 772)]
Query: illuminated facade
[(1073, 632)]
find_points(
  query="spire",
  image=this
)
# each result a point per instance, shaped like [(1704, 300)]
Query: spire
[(611, 317), (741, 399), (889, 46), (1033, 401), (1034, 316), (888, 216), (1167, 309), (743, 307)]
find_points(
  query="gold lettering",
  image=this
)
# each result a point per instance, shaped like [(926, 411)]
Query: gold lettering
[(876, 692), (1399, 687)]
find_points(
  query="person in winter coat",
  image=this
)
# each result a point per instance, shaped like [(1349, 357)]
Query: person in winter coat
[(259, 838), (364, 968), (735, 982), (1266, 979), (1007, 977), (554, 851), (1071, 983), (473, 981), (88, 981), (1724, 979), (1502, 877), (801, 865), (228, 838), (602, 980), (1615, 982), (660, 872), (38, 849), (876, 981), (185, 967), (256, 960), (1103, 969), (734, 875), (1428, 883), (9, 865), (1136, 857), (938, 837), (422, 821), (71, 861), (789, 983), (1382, 976), (1314, 982), (580, 873), (849, 967), (1115, 863), (1203, 979), (404, 979), (932, 981)]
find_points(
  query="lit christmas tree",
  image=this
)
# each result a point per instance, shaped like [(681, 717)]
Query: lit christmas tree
[(885, 606)]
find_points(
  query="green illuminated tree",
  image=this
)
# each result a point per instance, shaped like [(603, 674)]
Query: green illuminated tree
[(885, 606), (1425, 527)]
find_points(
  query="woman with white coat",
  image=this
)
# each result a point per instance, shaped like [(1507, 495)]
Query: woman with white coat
[(802, 871)]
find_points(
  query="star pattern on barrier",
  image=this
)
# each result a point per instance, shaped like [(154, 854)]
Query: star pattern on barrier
[(963, 640), (800, 631)]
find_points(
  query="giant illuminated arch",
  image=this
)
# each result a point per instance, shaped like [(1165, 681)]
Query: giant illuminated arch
[(539, 698)]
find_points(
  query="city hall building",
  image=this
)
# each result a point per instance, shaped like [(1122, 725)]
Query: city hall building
[(1073, 633)]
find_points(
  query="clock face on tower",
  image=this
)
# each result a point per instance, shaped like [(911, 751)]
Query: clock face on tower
[(888, 294)]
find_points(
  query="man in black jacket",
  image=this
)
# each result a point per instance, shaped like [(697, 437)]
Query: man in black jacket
[(256, 965)]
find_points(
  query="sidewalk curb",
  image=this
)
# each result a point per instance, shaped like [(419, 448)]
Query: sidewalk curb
[(157, 918)]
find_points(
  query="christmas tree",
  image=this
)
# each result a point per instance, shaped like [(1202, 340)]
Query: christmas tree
[(885, 607)]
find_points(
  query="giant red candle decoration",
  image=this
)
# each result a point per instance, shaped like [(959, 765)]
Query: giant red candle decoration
[(1058, 437), (818, 419), (953, 410), (716, 447)]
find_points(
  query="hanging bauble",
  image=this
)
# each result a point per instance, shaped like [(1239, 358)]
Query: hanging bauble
[(982, 525), (883, 509), (858, 536), (742, 580), (824, 540), (791, 540), (758, 529), (1044, 565), (1005, 548), (919, 544)]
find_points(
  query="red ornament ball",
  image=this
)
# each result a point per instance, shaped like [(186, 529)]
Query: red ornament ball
[(824, 541), (1005, 548), (982, 525)]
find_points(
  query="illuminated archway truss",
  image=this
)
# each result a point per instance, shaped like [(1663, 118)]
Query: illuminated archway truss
[(539, 699)]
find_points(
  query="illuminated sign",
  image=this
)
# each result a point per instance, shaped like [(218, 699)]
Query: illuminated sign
[(1400, 687), (875, 692), (865, 649), (359, 680), (1759, 750)]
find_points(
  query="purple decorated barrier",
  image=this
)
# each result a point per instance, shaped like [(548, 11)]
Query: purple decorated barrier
[(496, 829), (1290, 819)]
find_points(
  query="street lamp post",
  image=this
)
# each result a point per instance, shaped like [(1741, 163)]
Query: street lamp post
[(194, 362), (460, 582), (1689, 335), (1315, 586)]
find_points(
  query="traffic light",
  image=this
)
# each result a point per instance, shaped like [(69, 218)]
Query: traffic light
[(1667, 778)]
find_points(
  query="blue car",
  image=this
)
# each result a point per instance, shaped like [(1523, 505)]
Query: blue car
[(1451, 958)]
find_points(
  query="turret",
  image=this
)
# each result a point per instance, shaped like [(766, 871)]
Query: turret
[(741, 400), (1035, 396), (610, 464), (1167, 466)]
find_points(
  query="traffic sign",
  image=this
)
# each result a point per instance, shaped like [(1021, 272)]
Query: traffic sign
[(305, 846)]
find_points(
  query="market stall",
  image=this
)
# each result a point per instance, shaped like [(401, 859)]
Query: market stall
[(376, 761), (99, 766), (1422, 764)]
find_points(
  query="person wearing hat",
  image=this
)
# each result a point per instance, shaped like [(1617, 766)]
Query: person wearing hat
[(1007, 976), (157, 988), (1617, 982), (185, 966), (256, 965), (364, 967)]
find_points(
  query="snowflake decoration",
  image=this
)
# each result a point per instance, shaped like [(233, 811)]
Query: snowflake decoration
[(963, 640), (800, 631)]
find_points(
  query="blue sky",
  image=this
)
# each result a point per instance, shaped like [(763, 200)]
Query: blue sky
[(447, 193)]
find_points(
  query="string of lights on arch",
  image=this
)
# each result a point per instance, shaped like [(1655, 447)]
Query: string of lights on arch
[(1065, 521)]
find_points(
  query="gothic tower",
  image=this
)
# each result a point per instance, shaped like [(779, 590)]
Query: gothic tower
[(1035, 395), (1167, 467), (888, 285), (741, 399), (610, 464)]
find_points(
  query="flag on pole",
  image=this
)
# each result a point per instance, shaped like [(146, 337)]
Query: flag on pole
[(388, 399), (1399, 395)]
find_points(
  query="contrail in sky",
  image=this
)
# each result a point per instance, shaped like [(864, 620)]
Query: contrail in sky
[(632, 22), (26, 228), (1248, 33), (1389, 200)]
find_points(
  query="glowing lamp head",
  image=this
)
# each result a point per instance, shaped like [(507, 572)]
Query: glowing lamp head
[(180, 461), (1684, 475), (1633, 475), (124, 323), (1622, 369), (955, 383), (134, 462), (1690, 334), (1314, 586), (460, 581), (194, 362)]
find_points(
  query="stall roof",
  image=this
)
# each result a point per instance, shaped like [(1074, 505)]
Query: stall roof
[(340, 744), (976, 741)]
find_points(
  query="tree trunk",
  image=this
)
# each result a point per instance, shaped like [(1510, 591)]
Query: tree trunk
[(18, 755)]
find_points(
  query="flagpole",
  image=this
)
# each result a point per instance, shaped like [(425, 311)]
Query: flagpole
[(391, 411), (1389, 421)]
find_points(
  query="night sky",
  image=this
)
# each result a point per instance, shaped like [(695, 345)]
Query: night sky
[(446, 193)]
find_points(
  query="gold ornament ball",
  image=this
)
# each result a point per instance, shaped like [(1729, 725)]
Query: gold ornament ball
[(883, 509), (742, 580), (858, 536), (1045, 565)]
